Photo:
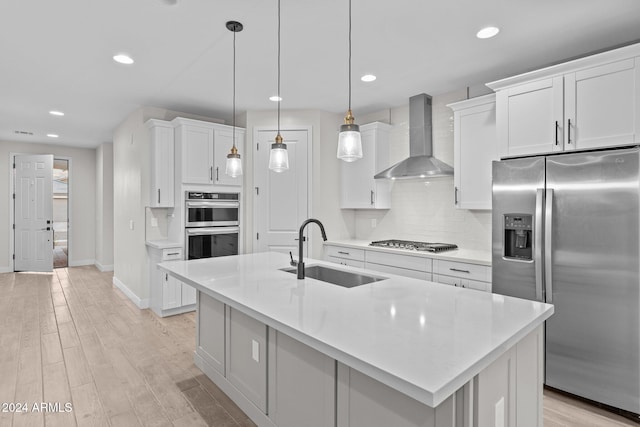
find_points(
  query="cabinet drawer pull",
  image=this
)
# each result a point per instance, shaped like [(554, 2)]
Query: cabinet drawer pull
[(174, 253), (343, 253), (460, 270)]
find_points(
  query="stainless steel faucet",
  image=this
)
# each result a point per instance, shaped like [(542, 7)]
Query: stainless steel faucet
[(301, 240)]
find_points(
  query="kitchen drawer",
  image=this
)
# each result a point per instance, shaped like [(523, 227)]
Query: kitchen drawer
[(462, 283), (343, 252), (399, 261), (462, 269), (416, 274), (169, 254), (346, 261)]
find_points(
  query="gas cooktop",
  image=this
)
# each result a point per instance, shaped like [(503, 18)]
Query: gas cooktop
[(414, 246)]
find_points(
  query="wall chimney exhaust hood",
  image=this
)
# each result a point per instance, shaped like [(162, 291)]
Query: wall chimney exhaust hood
[(420, 163)]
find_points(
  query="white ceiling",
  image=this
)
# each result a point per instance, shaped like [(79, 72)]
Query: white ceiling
[(57, 54)]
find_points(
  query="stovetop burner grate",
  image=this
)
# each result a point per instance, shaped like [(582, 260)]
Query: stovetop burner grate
[(414, 246)]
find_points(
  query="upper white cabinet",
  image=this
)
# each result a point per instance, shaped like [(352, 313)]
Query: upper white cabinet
[(222, 143), (204, 147), (162, 164), (588, 103), (359, 189), (475, 147)]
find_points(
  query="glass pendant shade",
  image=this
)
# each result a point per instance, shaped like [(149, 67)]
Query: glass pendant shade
[(278, 157), (234, 165), (349, 143)]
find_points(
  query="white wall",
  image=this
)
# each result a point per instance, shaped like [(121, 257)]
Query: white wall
[(420, 211), (131, 181), (325, 179), (104, 207), (82, 179)]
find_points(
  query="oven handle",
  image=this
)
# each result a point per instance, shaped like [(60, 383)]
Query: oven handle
[(213, 204), (203, 231)]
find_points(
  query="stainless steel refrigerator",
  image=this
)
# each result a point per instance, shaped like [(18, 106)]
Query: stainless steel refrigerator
[(566, 230)]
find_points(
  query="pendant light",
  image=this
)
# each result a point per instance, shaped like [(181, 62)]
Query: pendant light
[(278, 157), (234, 164), (349, 141)]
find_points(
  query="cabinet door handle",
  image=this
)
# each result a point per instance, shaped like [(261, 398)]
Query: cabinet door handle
[(158, 195), (568, 131), (217, 174), (343, 253), (557, 132), (166, 277), (372, 197), (460, 270), (210, 173), (455, 195)]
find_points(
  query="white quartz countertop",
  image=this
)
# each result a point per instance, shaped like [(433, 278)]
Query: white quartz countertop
[(422, 338), (163, 244), (461, 255)]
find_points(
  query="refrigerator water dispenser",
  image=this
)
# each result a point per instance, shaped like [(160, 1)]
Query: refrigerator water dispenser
[(518, 238)]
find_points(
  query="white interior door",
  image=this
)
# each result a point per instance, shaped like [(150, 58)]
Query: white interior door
[(281, 199), (33, 210)]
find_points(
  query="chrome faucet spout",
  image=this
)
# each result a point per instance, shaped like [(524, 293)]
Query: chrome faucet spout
[(301, 240)]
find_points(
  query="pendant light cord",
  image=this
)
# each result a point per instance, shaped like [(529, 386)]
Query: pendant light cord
[(349, 54), (234, 90), (279, 98)]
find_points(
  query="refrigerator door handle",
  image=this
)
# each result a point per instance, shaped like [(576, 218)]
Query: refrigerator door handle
[(537, 243), (548, 232)]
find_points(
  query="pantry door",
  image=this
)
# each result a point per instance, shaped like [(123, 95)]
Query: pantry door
[(33, 211), (281, 198)]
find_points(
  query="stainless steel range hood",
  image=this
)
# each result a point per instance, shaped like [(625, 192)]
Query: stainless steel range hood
[(420, 163)]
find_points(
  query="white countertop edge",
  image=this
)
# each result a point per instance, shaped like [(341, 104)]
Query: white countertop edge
[(431, 399), (163, 244), (471, 256)]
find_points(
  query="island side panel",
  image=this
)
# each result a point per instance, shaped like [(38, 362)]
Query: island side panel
[(210, 330)]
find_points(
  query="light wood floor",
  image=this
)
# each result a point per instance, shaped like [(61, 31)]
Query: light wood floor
[(70, 337)]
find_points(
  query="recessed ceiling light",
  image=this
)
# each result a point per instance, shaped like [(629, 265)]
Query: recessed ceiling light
[(56, 113), (123, 59), (487, 32), (52, 135), (368, 78), (275, 98)]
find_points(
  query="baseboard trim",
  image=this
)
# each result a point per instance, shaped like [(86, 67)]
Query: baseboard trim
[(103, 268), (6, 270), (82, 262), (140, 303)]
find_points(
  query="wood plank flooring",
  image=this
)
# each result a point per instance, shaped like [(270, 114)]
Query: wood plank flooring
[(71, 338)]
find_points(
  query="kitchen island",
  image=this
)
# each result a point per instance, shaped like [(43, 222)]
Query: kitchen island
[(398, 351)]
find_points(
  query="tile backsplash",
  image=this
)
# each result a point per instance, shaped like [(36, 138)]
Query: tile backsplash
[(425, 211)]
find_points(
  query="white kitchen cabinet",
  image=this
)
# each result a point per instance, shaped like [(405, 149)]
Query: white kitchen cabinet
[(223, 141), (210, 340), (204, 147), (475, 147), (196, 145), (162, 164), (301, 384), (344, 256), (584, 104), (462, 274), (359, 190), (246, 356), (402, 265), (169, 295)]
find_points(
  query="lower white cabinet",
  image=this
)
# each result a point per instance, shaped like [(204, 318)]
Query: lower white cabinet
[(402, 265), (345, 256), (462, 274), (301, 384), (246, 356), (169, 295)]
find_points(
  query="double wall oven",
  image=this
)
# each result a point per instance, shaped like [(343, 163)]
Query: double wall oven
[(212, 224)]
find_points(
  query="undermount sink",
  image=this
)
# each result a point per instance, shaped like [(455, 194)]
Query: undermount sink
[(346, 279)]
